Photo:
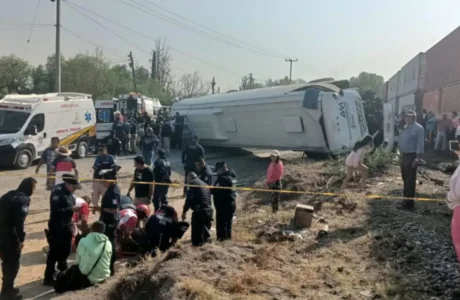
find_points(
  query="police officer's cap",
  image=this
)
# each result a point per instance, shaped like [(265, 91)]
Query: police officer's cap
[(109, 175), (71, 179), (220, 164)]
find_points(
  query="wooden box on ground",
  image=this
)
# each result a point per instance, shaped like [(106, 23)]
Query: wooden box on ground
[(303, 216)]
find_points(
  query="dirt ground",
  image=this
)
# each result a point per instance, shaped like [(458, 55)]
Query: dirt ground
[(360, 245)]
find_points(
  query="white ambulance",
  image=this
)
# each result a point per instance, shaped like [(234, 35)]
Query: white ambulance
[(28, 122)]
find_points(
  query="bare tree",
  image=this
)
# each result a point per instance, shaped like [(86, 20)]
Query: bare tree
[(163, 64), (192, 85)]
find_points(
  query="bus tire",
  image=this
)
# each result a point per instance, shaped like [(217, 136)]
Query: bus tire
[(23, 159), (82, 149)]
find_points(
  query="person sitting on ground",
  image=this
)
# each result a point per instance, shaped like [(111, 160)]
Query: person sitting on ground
[(130, 219), (92, 262), (354, 162)]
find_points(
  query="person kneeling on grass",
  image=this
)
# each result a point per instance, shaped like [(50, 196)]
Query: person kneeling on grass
[(92, 262), (354, 162), (130, 219), (160, 233)]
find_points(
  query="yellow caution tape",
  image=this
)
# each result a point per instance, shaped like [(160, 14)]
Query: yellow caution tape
[(244, 189)]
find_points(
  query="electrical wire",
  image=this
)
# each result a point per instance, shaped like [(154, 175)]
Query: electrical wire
[(270, 53), (88, 41), (80, 9), (145, 9), (24, 27), (31, 28)]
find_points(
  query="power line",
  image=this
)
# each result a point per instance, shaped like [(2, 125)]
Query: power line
[(32, 28), (79, 9), (88, 41), (150, 11), (271, 53), (24, 27)]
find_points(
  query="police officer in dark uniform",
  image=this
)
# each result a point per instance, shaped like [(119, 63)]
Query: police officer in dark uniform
[(109, 209), (14, 207), (162, 174), (191, 154), (59, 233), (199, 200), (163, 230), (224, 201), (203, 171)]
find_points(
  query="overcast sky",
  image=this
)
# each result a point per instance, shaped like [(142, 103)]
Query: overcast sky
[(331, 38)]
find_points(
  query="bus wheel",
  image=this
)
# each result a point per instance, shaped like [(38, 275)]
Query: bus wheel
[(23, 160), (82, 149)]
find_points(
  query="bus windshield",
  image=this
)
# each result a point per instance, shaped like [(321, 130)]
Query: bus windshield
[(12, 121)]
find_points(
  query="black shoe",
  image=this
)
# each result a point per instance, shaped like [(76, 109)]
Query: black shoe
[(11, 296), (48, 282), (16, 291)]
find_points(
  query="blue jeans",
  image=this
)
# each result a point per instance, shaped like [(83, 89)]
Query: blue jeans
[(148, 156)]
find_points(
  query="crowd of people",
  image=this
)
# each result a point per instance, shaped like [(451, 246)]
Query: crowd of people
[(145, 134), (127, 225), (437, 130)]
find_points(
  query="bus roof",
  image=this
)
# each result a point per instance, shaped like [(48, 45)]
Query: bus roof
[(261, 93)]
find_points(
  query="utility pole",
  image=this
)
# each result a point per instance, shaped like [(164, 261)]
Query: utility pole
[(58, 45), (131, 64), (213, 84), (153, 74), (290, 67)]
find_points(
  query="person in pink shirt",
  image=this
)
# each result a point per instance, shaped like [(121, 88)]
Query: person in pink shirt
[(354, 162), (453, 202), (274, 174)]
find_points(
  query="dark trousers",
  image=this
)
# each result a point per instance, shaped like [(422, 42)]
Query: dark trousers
[(60, 246), (275, 194), (110, 230), (160, 196), (201, 227), (177, 139), (224, 221), (409, 176), (10, 255)]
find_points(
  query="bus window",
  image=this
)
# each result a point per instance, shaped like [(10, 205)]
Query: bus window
[(310, 100)]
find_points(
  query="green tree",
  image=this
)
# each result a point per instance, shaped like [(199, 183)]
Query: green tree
[(86, 73), (142, 75), (367, 81), (15, 74), (41, 81)]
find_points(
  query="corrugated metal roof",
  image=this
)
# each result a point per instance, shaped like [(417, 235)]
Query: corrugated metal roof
[(269, 92)]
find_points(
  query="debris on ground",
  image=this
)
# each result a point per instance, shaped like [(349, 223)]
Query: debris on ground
[(358, 247)]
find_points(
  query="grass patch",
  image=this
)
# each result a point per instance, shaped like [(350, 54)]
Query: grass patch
[(196, 289)]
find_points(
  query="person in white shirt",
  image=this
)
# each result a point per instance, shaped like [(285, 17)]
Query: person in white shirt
[(354, 162)]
